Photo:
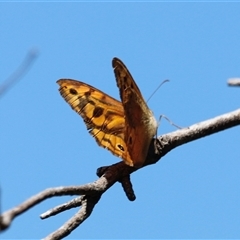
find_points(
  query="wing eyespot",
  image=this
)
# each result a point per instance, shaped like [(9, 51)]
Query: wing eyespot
[(121, 147)]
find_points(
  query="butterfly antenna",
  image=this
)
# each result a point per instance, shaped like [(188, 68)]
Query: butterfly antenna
[(157, 89)]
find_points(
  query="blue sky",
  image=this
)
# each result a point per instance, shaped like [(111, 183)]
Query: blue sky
[(194, 191)]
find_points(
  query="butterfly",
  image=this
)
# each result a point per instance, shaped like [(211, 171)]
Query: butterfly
[(125, 128)]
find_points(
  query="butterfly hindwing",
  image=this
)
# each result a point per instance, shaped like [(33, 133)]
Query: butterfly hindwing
[(140, 124)]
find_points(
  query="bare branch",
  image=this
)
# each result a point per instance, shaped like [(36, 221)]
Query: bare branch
[(76, 202), (88, 203), (91, 188), (234, 82), (109, 175), (171, 140), (19, 73), (128, 188)]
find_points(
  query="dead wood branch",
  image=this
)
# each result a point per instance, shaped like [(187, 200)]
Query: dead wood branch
[(19, 72), (109, 175), (234, 82)]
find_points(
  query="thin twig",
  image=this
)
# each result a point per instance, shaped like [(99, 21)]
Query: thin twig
[(76, 202), (19, 72), (233, 82), (88, 203)]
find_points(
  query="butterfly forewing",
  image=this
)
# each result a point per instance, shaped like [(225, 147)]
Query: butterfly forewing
[(103, 115)]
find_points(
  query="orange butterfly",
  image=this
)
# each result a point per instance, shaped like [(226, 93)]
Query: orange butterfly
[(125, 128)]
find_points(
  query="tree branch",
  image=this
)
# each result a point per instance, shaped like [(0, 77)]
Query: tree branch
[(196, 131), (109, 175), (19, 72), (234, 82)]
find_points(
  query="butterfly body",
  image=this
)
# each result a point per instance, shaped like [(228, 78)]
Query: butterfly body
[(125, 128)]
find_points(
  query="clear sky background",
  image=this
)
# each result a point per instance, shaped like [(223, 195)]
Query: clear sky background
[(194, 191)]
